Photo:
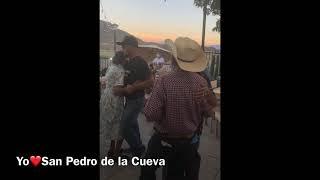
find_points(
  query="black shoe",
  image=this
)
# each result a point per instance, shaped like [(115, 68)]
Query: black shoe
[(139, 153), (110, 154), (127, 150), (126, 156)]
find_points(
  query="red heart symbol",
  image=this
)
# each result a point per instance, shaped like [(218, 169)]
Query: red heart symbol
[(35, 160)]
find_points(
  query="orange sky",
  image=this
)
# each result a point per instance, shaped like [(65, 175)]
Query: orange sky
[(159, 38), (157, 20)]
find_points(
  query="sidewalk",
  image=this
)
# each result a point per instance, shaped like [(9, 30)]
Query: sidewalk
[(209, 151)]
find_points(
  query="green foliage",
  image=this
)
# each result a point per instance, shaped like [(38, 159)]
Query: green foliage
[(212, 6), (215, 7), (217, 28)]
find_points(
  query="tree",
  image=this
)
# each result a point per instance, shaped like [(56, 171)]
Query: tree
[(215, 9), (217, 28), (208, 7)]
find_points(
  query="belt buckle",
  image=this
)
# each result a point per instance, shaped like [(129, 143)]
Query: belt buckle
[(165, 144)]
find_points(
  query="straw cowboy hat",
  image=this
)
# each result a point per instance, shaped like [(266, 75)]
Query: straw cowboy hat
[(188, 54)]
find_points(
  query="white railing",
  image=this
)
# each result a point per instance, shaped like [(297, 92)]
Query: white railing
[(104, 63), (214, 62)]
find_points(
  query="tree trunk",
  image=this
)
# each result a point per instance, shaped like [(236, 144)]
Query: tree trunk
[(204, 26), (114, 41)]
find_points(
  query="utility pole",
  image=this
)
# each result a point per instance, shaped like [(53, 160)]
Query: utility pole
[(204, 26)]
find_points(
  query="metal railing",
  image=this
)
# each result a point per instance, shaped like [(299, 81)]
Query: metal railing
[(104, 63), (213, 64)]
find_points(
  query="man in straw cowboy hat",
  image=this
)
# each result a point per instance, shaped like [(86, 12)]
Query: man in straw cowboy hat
[(176, 109)]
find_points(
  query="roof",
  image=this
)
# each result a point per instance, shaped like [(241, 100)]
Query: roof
[(153, 46)]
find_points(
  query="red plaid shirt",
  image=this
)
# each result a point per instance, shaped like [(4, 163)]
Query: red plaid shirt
[(173, 106)]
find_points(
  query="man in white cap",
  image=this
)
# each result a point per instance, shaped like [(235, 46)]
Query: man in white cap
[(137, 79), (176, 109)]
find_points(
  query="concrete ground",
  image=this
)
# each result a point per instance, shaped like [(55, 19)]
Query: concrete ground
[(209, 151)]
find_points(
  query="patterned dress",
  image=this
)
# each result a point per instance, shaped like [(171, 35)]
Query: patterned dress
[(111, 106)]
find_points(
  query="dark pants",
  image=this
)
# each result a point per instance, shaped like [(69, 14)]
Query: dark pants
[(129, 126), (182, 159)]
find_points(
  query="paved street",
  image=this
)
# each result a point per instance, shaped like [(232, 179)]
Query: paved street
[(209, 150)]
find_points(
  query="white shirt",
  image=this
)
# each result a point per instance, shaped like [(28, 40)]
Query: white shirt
[(159, 60)]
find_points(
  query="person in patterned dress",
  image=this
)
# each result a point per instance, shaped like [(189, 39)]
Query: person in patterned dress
[(111, 106)]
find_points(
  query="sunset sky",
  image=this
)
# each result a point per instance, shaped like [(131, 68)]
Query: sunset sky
[(156, 20)]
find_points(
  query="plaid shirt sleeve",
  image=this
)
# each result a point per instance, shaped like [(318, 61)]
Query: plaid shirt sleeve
[(154, 108), (205, 106)]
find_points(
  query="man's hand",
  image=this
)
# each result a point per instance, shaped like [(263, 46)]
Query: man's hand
[(205, 94), (202, 94), (123, 91), (142, 85), (130, 89), (136, 82)]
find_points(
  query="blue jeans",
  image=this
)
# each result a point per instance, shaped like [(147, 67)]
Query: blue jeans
[(129, 126), (182, 159)]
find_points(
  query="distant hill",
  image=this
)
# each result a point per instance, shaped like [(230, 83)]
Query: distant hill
[(216, 47), (106, 38)]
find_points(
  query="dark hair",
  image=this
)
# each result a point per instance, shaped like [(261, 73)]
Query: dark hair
[(118, 57)]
